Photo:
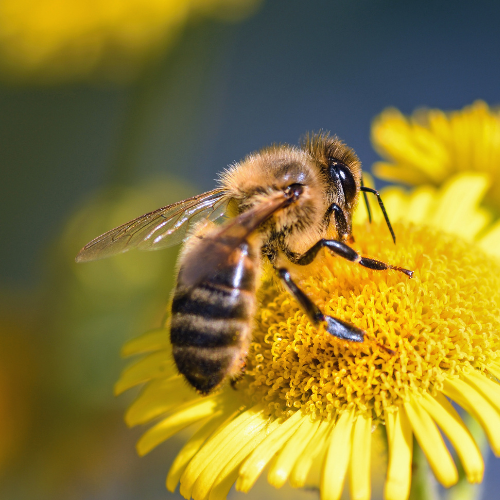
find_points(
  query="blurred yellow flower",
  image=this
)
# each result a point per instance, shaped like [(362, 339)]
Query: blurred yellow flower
[(308, 402), (431, 145), (60, 40), (455, 207)]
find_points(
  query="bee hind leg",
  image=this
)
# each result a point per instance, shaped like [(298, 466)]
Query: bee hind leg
[(334, 326)]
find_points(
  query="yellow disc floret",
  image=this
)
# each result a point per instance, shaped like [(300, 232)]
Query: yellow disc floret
[(308, 402), (438, 324)]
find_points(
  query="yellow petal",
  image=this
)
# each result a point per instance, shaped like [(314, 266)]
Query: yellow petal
[(244, 424), (313, 479), (443, 413), (485, 386), (305, 462), (219, 475), (359, 470), (456, 211), (490, 242), (159, 364), (422, 201), (169, 426), (149, 342), (411, 145), (397, 486), (494, 370), (158, 397), (190, 449), (396, 201), (477, 405), (260, 457), (293, 449), (398, 173), (231, 471), (432, 444), (337, 458)]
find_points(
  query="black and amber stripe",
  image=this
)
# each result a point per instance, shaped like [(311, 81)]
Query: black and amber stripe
[(210, 322), (204, 368)]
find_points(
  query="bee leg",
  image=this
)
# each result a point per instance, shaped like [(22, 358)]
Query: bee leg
[(342, 250), (334, 326)]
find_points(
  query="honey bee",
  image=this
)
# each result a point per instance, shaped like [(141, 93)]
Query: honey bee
[(284, 204)]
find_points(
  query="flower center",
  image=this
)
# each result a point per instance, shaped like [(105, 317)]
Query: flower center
[(443, 320)]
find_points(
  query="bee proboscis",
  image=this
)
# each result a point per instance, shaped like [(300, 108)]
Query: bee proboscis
[(284, 204)]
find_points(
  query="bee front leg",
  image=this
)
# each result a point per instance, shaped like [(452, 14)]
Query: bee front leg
[(334, 326), (343, 250)]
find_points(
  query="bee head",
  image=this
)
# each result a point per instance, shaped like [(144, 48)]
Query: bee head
[(339, 166), (340, 169), (327, 172)]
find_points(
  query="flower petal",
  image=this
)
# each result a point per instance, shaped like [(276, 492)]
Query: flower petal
[(303, 465), (477, 405), (443, 413), (182, 418), (158, 397), (153, 340), (359, 470), (456, 211), (490, 242), (422, 201), (227, 476), (409, 144), (243, 425), (396, 201), (292, 450), (262, 454), (399, 434), (337, 458), (432, 444), (218, 476), (489, 389), (391, 172), (190, 449), (494, 370), (159, 364)]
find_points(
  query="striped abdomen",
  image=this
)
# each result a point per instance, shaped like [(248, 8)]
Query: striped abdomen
[(210, 324)]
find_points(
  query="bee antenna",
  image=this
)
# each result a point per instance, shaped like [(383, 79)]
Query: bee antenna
[(365, 189), (367, 204)]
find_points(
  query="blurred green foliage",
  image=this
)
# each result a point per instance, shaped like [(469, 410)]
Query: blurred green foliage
[(78, 322)]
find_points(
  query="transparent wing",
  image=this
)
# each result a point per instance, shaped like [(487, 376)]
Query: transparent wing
[(217, 247), (161, 228)]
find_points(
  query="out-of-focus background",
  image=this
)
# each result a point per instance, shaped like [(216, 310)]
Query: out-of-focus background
[(110, 109)]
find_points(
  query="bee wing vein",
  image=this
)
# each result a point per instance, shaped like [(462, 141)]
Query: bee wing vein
[(161, 228)]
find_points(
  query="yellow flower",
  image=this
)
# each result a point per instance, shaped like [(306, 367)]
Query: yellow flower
[(54, 40), (431, 145), (308, 402)]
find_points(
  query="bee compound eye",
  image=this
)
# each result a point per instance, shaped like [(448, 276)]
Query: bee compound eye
[(341, 174)]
